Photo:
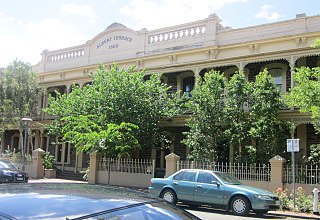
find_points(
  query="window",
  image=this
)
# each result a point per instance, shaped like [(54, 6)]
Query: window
[(276, 73), (205, 177), (189, 176), (178, 176), (188, 84)]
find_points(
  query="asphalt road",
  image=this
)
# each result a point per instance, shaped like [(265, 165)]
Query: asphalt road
[(207, 213)]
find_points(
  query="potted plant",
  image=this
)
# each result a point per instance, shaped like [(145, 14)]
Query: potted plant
[(49, 169)]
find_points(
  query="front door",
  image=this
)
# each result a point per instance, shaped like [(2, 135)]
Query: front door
[(185, 187), (208, 190)]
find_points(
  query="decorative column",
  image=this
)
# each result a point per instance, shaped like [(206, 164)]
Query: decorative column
[(196, 75), (277, 173), (41, 140), (38, 169), (2, 142), (63, 155), (44, 103), (94, 165), (292, 66), (171, 164), (68, 87), (20, 139)]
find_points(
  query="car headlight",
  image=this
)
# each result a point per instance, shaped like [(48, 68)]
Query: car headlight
[(7, 173), (264, 197)]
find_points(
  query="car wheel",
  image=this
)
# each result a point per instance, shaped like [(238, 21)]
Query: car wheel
[(169, 195), (240, 205), (261, 212)]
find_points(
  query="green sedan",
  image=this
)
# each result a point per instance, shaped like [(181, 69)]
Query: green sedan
[(199, 187)]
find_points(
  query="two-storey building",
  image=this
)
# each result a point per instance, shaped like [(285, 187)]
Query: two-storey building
[(179, 53)]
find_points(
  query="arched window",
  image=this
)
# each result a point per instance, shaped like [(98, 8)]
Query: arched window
[(276, 73), (278, 70), (188, 84)]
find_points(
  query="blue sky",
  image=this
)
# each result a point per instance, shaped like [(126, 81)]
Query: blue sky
[(27, 27)]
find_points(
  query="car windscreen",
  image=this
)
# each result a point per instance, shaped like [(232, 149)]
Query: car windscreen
[(7, 165), (143, 211), (227, 179)]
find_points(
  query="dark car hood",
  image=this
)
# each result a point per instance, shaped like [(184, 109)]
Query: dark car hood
[(58, 201), (55, 206), (12, 170)]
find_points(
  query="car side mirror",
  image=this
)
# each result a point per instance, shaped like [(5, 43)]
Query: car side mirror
[(215, 182)]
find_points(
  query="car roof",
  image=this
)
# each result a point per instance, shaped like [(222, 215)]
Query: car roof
[(212, 171), (56, 201)]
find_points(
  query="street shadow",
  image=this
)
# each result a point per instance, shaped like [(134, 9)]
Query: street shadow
[(210, 209)]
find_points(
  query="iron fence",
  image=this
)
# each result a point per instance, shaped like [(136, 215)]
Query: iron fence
[(143, 166), (304, 174), (241, 171)]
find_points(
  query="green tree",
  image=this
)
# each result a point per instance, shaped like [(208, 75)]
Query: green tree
[(316, 43), (206, 122), (117, 114), (305, 94), (237, 120), (265, 103), (19, 92)]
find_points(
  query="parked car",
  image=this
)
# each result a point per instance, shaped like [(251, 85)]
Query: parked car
[(83, 201), (9, 173), (197, 187)]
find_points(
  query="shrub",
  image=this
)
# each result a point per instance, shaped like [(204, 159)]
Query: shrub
[(304, 203), (47, 160), (286, 203)]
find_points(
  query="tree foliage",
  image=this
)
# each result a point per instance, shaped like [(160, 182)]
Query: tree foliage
[(220, 118), (117, 114), (305, 94), (265, 103), (19, 92), (206, 122), (316, 43), (236, 119)]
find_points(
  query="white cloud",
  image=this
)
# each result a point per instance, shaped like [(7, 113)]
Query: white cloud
[(79, 10), (53, 34), (25, 41), (265, 13), (162, 13)]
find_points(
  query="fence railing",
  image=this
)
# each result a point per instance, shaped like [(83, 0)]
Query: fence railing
[(16, 158), (304, 174), (142, 166), (241, 171)]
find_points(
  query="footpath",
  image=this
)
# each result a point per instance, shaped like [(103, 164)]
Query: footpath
[(278, 213)]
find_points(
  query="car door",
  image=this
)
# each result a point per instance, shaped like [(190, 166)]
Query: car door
[(185, 186), (208, 189)]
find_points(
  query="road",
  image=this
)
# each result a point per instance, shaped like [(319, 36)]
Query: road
[(207, 213)]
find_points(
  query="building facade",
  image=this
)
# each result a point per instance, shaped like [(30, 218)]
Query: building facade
[(180, 53)]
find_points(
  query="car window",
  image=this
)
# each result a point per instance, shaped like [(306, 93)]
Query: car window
[(205, 177), (178, 176), (5, 164), (227, 179), (189, 176)]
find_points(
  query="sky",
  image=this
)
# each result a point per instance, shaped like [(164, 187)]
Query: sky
[(28, 27)]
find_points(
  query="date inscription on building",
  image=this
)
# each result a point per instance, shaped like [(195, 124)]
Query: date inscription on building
[(114, 42)]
